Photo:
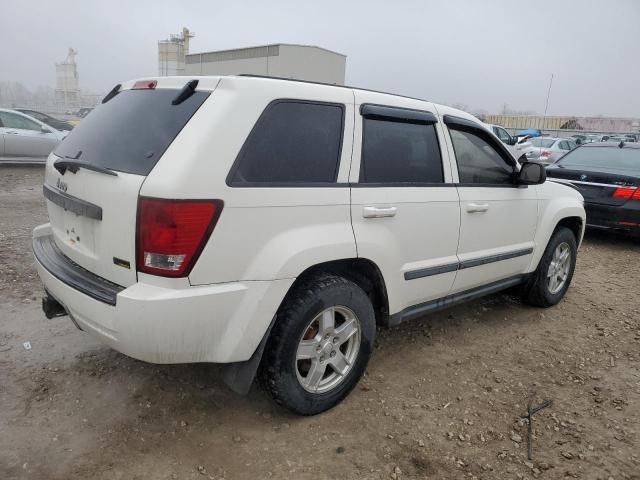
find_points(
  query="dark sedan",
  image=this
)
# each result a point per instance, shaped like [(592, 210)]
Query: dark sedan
[(48, 119), (608, 177)]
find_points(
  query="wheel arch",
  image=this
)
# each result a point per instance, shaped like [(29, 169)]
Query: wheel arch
[(557, 214), (239, 376), (575, 224), (361, 271)]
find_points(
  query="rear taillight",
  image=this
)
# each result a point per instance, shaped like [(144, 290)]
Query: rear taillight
[(172, 233), (546, 153), (627, 193)]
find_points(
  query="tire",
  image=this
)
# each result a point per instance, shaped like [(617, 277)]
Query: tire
[(300, 331), (540, 291)]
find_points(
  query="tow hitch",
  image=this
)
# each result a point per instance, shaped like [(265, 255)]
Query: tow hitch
[(51, 307)]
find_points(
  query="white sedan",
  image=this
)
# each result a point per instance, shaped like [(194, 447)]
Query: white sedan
[(549, 150)]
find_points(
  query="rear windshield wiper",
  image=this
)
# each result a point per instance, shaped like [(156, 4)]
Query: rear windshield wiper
[(74, 165)]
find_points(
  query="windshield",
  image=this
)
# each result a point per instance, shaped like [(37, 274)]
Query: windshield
[(606, 158), (131, 131), (542, 142)]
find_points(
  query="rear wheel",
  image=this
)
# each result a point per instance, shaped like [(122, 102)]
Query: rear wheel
[(320, 345), (552, 278)]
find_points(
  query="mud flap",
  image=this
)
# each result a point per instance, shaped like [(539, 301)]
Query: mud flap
[(239, 376)]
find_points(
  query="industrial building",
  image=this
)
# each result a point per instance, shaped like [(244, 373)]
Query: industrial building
[(67, 92), (301, 62), (172, 53)]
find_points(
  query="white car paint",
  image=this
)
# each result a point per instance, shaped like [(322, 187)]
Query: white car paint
[(551, 154), (267, 237)]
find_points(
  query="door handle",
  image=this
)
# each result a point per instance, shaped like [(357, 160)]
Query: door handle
[(12, 132), (379, 212), (477, 207)]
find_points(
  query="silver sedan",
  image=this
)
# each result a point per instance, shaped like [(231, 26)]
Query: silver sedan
[(549, 150), (23, 139)]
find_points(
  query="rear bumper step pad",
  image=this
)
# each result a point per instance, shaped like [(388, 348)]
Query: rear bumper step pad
[(66, 270)]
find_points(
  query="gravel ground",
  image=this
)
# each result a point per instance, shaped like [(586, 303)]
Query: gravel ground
[(443, 396)]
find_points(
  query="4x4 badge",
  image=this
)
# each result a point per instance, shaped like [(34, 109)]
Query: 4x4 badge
[(61, 185)]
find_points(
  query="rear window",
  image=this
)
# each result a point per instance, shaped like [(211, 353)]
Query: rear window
[(131, 131), (604, 157), (293, 142), (542, 142)]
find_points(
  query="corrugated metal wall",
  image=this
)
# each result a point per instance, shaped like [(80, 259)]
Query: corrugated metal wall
[(592, 124)]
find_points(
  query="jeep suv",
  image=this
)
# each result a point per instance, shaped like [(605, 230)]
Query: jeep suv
[(270, 225)]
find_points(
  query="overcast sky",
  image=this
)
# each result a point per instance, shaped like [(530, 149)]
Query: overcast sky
[(479, 53)]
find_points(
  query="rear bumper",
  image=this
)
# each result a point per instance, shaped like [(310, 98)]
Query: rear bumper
[(219, 323), (624, 217)]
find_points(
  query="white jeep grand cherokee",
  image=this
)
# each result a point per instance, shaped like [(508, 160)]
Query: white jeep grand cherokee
[(270, 225)]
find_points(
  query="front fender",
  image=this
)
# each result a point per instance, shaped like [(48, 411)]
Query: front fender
[(557, 202)]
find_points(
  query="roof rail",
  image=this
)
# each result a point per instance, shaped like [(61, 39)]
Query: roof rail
[(269, 77)]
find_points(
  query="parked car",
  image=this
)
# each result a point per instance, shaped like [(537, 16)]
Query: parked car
[(608, 177), (24, 139), (83, 112), (47, 119), (580, 139), (529, 132), (328, 210), (518, 147), (548, 150)]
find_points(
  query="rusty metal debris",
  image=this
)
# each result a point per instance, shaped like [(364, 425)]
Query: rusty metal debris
[(531, 410)]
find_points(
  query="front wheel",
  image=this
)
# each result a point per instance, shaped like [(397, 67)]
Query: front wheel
[(552, 278), (320, 345)]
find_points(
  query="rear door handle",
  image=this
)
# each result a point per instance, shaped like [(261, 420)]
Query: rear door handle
[(11, 132), (379, 212), (477, 207)]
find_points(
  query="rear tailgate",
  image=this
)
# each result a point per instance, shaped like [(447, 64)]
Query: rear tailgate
[(93, 209), (93, 218)]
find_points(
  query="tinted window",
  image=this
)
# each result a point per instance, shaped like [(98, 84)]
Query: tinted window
[(11, 120), (292, 142), (603, 157), (394, 152), (131, 131), (479, 162)]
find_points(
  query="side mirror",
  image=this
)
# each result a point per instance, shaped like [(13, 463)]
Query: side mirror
[(44, 129), (512, 141), (531, 173)]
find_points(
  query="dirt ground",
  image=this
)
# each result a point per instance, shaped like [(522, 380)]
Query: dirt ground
[(443, 396)]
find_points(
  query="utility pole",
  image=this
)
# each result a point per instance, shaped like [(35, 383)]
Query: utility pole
[(546, 106)]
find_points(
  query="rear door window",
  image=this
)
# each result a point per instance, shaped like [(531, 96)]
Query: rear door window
[(293, 142), (399, 152), (131, 131)]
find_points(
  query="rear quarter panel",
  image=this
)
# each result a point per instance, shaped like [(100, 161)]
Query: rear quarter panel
[(263, 233)]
